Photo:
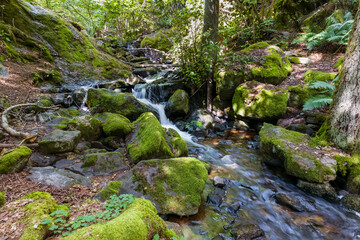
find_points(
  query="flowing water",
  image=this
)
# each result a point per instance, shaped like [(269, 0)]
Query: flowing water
[(252, 185)]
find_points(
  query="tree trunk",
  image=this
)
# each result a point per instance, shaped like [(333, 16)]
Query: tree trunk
[(345, 113), (211, 24)]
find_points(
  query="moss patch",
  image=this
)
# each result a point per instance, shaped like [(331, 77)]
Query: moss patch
[(2, 199), (89, 127), (339, 63), (115, 124), (314, 76), (112, 188), (161, 40), (46, 77), (15, 161), (179, 147)]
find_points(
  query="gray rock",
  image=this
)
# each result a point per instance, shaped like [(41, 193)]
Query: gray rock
[(294, 202), (3, 71), (60, 141), (324, 190), (247, 231), (351, 202), (104, 163), (41, 160), (58, 178), (64, 99), (219, 182), (241, 125), (145, 72), (216, 197)]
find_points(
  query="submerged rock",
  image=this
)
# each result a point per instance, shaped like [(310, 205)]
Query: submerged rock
[(178, 104), (149, 140), (14, 161), (60, 141), (103, 100), (324, 190), (104, 163), (174, 185), (245, 231), (259, 101), (290, 150), (138, 221), (58, 178)]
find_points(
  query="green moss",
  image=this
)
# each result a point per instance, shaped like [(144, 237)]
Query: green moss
[(178, 103), (299, 94), (179, 147), (343, 164), (255, 46), (139, 221), (15, 161), (150, 140), (185, 177), (44, 77), (115, 124), (316, 22), (112, 188), (89, 127), (226, 83), (295, 60), (45, 103), (161, 40), (339, 63), (314, 76), (253, 100), (68, 112), (42, 206), (322, 137), (2, 199)]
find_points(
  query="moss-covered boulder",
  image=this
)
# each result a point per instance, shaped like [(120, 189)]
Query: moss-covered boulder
[(103, 100), (299, 94), (160, 40), (271, 67), (38, 33), (115, 124), (40, 207), (174, 185), (60, 141), (314, 76), (46, 77), (259, 101), (149, 140), (14, 161), (104, 163), (89, 127), (179, 147), (112, 188), (178, 104), (226, 83), (290, 150), (138, 222)]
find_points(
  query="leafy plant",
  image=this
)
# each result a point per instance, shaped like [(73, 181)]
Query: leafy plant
[(335, 31), (115, 205), (5, 36), (193, 125), (324, 98)]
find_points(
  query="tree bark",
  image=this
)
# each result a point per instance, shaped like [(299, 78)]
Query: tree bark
[(345, 112), (211, 24)]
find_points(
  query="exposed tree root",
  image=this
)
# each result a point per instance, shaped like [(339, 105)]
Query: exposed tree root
[(10, 130), (33, 145)]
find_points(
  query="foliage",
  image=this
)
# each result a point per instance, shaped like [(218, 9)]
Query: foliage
[(4, 36), (335, 31), (193, 125), (157, 237), (115, 205), (324, 97)]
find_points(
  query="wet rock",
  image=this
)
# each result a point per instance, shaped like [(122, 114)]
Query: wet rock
[(216, 197), (150, 141), (174, 185), (201, 115), (58, 178), (89, 127), (60, 141), (241, 125), (3, 71), (145, 72), (41, 160), (178, 104), (219, 182), (15, 160), (289, 201), (103, 100), (63, 99), (351, 202), (78, 96), (324, 190), (104, 163), (234, 208), (254, 100), (290, 150), (116, 84), (247, 231), (253, 145)]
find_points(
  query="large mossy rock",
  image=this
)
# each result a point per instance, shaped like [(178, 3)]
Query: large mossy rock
[(89, 127), (38, 206), (115, 124), (259, 101), (104, 163), (139, 222), (290, 150), (60, 141), (270, 63), (36, 29), (226, 83), (14, 161), (103, 100), (149, 140), (314, 76), (174, 185), (178, 104)]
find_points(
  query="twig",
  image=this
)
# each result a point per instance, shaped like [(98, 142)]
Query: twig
[(5, 145)]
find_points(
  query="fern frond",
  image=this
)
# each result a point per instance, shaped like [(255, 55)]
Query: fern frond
[(317, 102), (322, 85)]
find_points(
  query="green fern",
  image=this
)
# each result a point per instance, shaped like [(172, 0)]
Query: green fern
[(335, 31), (317, 102)]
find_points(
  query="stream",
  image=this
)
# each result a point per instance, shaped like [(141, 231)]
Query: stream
[(251, 189)]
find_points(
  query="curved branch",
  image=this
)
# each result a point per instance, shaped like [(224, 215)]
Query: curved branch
[(10, 130)]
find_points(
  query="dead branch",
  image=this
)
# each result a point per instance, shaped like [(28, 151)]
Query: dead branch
[(5, 145), (10, 130)]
